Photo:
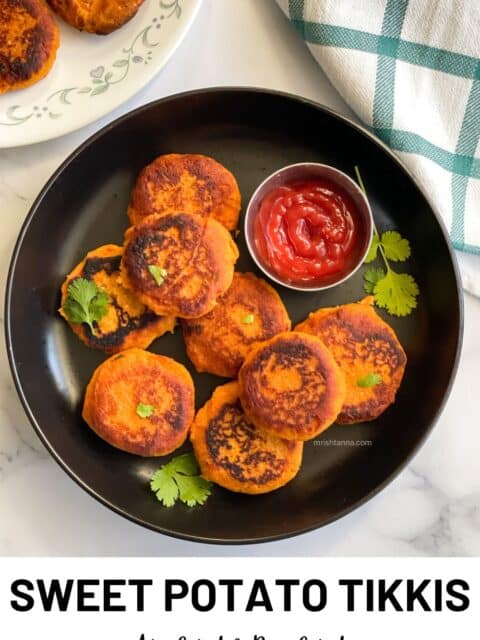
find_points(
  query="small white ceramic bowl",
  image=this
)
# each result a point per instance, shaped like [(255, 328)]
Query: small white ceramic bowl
[(299, 172)]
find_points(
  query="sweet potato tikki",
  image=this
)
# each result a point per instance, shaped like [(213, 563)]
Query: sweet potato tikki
[(249, 312), (29, 40), (104, 314), (96, 16), (368, 352), (291, 387), (178, 263), (235, 454), (140, 402), (186, 182)]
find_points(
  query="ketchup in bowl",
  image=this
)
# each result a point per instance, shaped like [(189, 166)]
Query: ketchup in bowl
[(309, 232)]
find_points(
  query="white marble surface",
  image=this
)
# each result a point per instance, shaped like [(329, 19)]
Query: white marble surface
[(432, 508)]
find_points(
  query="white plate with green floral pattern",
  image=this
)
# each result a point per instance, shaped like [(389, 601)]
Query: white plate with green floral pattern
[(93, 75)]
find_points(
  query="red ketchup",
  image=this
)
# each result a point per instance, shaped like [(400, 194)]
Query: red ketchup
[(308, 232)]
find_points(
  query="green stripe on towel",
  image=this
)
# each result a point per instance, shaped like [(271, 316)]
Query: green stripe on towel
[(466, 146), (384, 97), (413, 143), (421, 55), (296, 9)]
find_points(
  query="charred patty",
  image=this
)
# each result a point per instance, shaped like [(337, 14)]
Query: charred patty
[(140, 402), (291, 387), (128, 323), (232, 452), (368, 352), (29, 40), (96, 16), (248, 313), (179, 263), (188, 183)]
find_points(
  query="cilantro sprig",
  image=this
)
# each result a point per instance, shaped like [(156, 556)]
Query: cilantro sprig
[(370, 380), (158, 273), (393, 291), (179, 479), (145, 410), (86, 302)]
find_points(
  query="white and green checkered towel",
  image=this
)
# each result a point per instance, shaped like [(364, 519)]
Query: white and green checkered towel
[(410, 69)]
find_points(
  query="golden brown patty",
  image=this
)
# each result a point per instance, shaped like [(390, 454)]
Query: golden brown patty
[(128, 323), (189, 182), (291, 387), (29, 40), (140, 402), (249, 312), (193, 258), (236, 455), (96, 16), (362, 344)]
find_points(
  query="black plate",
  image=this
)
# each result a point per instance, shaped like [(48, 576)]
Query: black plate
[(253, 132)]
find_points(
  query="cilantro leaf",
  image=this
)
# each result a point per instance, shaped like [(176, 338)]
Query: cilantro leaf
[(98, 305), (157, 273), (74, 311), (86, 302), (193, 489), (179, 479), (371, 277), (185, 464), (372, 252), (145, 410), (164, 487), (370, 380), (248, 319), (395, 247), (397, 293)]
